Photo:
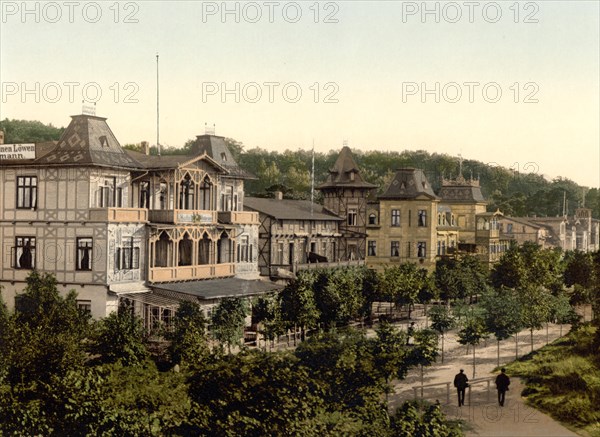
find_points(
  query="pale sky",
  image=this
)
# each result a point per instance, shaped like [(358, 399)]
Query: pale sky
[(377, 62)]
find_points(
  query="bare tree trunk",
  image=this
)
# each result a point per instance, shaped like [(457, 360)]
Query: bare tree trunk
[(442, 348), (473, 361), (531, 335), (498, 353)]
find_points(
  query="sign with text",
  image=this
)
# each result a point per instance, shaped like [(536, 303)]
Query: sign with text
[(17, 151)]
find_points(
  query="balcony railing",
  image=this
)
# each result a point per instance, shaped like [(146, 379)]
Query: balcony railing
[(188, 273), (119, 215), (177, 216), (238, 217)]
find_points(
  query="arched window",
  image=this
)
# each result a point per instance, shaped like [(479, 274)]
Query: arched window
[(161, 251), (186, 193), (204, 250), (372, 218), (206, 188), (185, 251)]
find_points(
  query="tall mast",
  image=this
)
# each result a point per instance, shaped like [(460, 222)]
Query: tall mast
[(157, 111)]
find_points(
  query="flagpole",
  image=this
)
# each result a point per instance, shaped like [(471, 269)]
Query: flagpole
[(157, 111), (312, 181)]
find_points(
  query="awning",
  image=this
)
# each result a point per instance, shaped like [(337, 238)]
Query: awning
[(215, 288), (152, 299)]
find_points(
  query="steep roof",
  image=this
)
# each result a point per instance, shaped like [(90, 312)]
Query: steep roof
[(345, 173), (88, 140), (155, 162), (408, 183), (287, 209), (461, 190), (217, 149)]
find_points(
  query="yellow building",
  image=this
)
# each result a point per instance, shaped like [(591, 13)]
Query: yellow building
[(403, 225)]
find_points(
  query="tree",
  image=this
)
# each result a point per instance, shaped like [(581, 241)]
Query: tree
[(442, 321), (472, 333), (563, 312), (502, 315), (228, 321), (46, 333), (401, 284), (121, 338), (425, 349), (25, 131), (189, 344), (536, 308), (298, 304), (266, 312), (390, 352), (338, 295)]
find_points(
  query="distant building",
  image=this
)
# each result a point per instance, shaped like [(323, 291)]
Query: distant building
[(345, 194), (407, 223), (125, 227), (294, 235)]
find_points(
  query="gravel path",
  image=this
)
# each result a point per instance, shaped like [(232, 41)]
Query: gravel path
[(482, 414)]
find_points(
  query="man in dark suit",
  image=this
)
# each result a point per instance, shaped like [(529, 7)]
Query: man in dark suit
[(502, 383), (461, 384)]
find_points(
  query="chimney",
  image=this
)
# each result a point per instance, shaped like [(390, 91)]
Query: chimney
[(145, 148), (278, 195), (1, 136)]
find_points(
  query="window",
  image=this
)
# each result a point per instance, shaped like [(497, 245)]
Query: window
[(372, 219), (127, 257), (439, 247), (26, 192), (106, 193), (453, 222), (395, 217), (422, 218), (84, 305), (186, 193), (408, 251), (302, 224), (144, 195), (509, 228), (84, 254), (439, 219), (226, 199), (421, 249), (280, 253), (24, 253), (244, 249), (409, 218), (119, 199), (372, 248), (352, 217), (395, 248)]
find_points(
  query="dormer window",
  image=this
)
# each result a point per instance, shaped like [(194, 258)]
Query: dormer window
[(223, 156), (103, 141)]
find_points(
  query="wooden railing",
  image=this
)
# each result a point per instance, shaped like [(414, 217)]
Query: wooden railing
[(238, 217), (420, 389), (119, 215), (183, 216), (188, 273)]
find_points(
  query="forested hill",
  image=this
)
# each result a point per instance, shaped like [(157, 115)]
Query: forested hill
[(519, 191)]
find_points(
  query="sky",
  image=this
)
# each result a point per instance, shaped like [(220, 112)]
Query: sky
[(510, 83)]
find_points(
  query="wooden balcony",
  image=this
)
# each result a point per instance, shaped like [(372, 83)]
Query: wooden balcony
[(189, 273), (119, 215), (177, 216), (239, 217)]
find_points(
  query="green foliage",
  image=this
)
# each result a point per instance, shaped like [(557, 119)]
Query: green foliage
[(425, 349), (338, 295), (473, 331), (24, 131), (442, 319), (563, 379), (529, 265), (267, 312), (391, 352), (401, 284), (409, 421), (502, 313), (189, 344), (460, 278), (579, 269), (45, 334), (298, 304), (120, 339), (228, 321)]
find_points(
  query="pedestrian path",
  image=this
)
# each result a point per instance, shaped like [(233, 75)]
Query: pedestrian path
[(482, 414)]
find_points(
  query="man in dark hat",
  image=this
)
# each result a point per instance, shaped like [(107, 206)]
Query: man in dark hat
[(502, 383), (461, 382)]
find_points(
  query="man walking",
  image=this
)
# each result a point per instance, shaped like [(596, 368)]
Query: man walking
[(461, 384), (502, 383)]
